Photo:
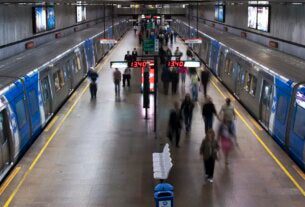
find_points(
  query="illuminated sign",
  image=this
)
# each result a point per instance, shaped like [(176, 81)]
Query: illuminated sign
[(175, 63), (193, 40), (187, 63), (108, 41), (142, 64), (139, 64), (118, 64)]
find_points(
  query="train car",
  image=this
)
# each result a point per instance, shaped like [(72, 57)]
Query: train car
[(36, 83), (270, 84)]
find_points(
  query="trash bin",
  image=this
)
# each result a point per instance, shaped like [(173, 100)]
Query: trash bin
[(164, 195), (164, 187), (164, 199)]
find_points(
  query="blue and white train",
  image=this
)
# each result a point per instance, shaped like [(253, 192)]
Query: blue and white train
[(34, 84), (270, 84)]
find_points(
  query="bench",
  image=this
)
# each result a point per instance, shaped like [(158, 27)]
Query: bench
[(162, 164)]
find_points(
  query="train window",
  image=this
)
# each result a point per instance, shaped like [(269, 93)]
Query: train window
[(78, 62), (21, 115), (2, 135), (228, 67), (251, 83), (299, 122), (281, 109), (59, 80), (33, 102)]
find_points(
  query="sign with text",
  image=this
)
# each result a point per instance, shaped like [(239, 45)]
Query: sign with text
[(118, 64), (149, 45), (186, 63), (193, 41), (108, 41)]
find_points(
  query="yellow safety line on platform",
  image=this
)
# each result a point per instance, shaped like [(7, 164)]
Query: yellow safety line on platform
[(280, 164), (300, 172), (10, 199), (51, 124), (9, 180)]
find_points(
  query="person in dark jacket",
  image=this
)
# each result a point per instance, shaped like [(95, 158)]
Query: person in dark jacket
[(205, 78), (209, 149), (174, 80), (134, 54), (187, 107), (128, 58), (174, 124), (166, 38), (162, 54), (93, 75), (208, 113), (165, 77), (168, 54), (189, 54), (171, 37)]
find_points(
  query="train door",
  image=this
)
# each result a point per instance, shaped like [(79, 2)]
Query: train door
[(214, 56), (220, 63), (4, 141), (239, 77), (69, 71), (266, 103), (296, 139), (46, 96)]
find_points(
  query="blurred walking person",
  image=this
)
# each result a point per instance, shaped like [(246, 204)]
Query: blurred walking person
[(187, 107), (174, 80), (208, 113), (194, 86), (225, 138), (205, 79), (117, 76), (227, 112), (93, 75), (174, 124), (209, 149), (165, 77)]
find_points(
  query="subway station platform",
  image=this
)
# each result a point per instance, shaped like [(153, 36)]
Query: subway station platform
[(98, 153)]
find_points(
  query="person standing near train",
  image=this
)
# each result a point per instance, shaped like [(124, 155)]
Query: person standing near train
[(227, 112), (93, 75)]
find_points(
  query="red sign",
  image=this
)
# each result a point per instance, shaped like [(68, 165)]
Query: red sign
[(138, 64), (175, 63)]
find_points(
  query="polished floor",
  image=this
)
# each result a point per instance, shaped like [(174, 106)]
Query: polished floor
[(98, 153)]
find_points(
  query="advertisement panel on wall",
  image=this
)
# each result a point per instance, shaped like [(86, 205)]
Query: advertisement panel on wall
[(252, 16), (40, 21), (263, 18), (258, 17), (51, 21), (81, 14), (219, 13)]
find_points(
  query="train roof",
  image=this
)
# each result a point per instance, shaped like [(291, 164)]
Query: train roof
[(19, 65), (282, 64)]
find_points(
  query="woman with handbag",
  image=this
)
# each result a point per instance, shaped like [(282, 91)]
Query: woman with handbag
[(209, 149), (226, 139)]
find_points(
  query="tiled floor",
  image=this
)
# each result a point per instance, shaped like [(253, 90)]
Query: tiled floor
[(101, 155)]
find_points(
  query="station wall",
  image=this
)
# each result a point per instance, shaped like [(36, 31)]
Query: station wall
[(287, 24), (16, 25)]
